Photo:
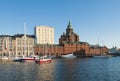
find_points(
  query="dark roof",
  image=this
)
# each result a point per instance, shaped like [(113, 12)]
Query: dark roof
[(69, 25), (82, 43), (20, 35), (96, 46), (17, 35), (48, 45), (5, 36)]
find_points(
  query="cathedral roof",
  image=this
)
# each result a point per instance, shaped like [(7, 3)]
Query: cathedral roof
[(69, 25)]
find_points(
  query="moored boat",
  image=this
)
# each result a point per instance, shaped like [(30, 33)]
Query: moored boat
[(17, 59), (43, 59), (5, 58), (30, 58), (68, 56), (102, 55)]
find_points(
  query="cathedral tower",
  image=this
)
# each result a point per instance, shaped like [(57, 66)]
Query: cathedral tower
[(69, 36)]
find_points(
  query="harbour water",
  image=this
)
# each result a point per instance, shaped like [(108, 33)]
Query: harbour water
[(81, 69)]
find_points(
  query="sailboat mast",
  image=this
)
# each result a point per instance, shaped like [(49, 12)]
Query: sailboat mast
[(25, 39)]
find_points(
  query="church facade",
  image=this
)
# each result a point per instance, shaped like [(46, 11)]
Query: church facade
[(69, 42)]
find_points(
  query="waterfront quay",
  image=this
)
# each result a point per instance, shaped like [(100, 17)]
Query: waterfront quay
[(79, 69), (69, 43)]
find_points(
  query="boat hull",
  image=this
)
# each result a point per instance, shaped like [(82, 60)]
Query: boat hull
[(17, 60), (101, 56), (29, 59), (68, 56), (5, 58), (43, 61)]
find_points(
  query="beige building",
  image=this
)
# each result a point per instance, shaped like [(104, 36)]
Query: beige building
[(19, 44), (24, 44), (44, 35), (6, 45)]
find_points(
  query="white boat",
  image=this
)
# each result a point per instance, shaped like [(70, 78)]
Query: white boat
[(17, 59), (5, 58), (68, 56)]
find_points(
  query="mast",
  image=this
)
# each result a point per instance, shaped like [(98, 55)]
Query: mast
[(25, 38)]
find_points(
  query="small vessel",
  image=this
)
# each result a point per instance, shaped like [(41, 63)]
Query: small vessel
[(30, 58), (68, 56), (43, 59), (17, 59), (102, 55), (5, 58)]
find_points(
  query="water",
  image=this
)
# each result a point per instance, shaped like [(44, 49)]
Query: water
[(82, 69)]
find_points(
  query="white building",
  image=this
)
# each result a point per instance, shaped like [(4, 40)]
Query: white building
[(24, 44), (44, 35)]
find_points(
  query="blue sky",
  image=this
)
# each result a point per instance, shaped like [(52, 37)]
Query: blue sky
[(95, 21)]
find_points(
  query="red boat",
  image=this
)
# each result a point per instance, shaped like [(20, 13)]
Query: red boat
[(43, 59), (30, 58)]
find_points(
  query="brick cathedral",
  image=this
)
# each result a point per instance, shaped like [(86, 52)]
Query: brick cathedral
[(70, 42)]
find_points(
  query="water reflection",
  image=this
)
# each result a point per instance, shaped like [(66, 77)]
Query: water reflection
[(26, 72), (88, 69), (84, 69), (65, 70)]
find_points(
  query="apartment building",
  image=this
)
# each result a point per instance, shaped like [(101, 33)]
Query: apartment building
[(44, 35), (6, 45), (19, 44)]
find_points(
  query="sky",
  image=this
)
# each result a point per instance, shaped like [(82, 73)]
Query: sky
[(95, 21)]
